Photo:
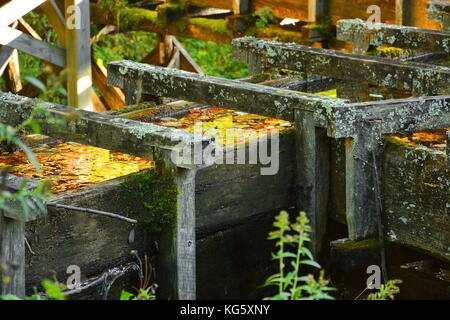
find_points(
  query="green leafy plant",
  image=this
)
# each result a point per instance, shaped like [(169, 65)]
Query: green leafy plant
[(52, 291), (291, 285), (263, 18), (147, 290), (387, 291)]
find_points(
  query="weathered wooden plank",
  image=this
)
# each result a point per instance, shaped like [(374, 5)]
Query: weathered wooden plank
[(99, 130), (421, 78), (247, 97), (78, 53), (12, 258), (14, 10), (40, 49), (312, 172), (405, 115), (358, 31), (439, 11)]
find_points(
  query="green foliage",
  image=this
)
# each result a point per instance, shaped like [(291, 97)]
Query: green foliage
[(144, 294), (291, 285), (117, 46), (263, 18), (112, 5), (215, 59), (52, 291), (386, 291)]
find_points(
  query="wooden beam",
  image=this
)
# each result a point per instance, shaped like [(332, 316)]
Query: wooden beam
[(420, 78), (16, 39), (404, 115), (15, 9), (98, 129), (78, 53), (188, 86), (358, 31)]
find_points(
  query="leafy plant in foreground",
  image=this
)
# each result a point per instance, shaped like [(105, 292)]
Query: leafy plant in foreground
[(387, 291), (292, 286)]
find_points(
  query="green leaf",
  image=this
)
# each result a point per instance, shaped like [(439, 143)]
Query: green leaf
[(9, 297), (125, 295), (37, 83), (29, 154), (311, 263)]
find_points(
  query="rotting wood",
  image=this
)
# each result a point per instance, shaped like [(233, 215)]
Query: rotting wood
[(358, 31), (418, 77)]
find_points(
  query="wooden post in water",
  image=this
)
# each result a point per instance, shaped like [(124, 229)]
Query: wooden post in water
[(312, 181)]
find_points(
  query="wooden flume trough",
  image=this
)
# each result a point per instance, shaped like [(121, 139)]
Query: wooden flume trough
[(304, 160)]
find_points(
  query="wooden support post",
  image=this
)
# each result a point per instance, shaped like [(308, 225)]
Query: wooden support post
[(359, 184), (177, 263), (12, 258), (312, 152), (78, 50), (133, 92)]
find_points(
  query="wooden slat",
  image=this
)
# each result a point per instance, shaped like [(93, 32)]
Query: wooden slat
[(396, 36), (418, 77), (16, 9), (42, 50), (78, 52), (247, 97)]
